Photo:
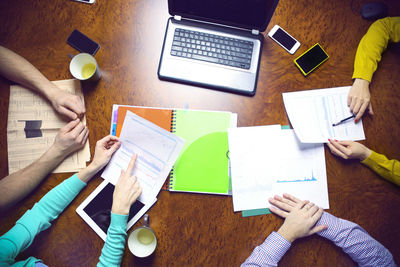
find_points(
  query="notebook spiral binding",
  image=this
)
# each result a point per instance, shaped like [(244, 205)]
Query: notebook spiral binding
[(173, 122), (173, 130)]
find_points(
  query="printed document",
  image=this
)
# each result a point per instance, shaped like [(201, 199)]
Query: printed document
[(32, 126), (313, 112), (302, 170), (157, 151), (268, 161)]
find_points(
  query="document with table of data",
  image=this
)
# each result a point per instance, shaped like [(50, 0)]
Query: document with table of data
[(33, 124), (157, 151), (312, 114)]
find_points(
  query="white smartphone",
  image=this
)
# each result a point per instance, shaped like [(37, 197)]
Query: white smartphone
[(284, 39), (85, 1)]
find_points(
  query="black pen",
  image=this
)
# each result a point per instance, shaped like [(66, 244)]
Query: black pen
[(340, 122)]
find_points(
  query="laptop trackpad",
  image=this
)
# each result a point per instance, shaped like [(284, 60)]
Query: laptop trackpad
[(207, 74)]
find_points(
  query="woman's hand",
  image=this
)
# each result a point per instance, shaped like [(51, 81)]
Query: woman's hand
[(126, 191), (105, 148), (349, 149)]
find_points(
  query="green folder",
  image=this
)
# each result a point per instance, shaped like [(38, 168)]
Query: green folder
[(203, 164)]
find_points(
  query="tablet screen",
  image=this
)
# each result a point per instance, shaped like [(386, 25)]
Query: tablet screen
[(99, 209)]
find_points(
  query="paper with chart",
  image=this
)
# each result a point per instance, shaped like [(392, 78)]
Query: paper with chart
[(302, 170), (266, 161), (32, 126), (252, 157), (313, 112), (157, 151)]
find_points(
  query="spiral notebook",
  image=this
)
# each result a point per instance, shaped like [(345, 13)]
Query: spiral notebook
[(203, 165)]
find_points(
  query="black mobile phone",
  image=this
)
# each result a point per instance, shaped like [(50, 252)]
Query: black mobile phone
[(311, 59), (82, 43)]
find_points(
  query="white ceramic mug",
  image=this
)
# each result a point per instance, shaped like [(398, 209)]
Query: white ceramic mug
[(142, 241), (84, 67)]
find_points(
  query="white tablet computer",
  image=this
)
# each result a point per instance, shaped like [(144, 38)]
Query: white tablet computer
[(95, 210)]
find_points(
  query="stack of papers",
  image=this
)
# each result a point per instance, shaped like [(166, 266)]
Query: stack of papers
[(266, 161), (157, 151), (32, 126)]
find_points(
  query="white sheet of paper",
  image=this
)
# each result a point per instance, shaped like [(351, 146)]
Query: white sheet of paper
[(302, 170), (251, 153), (157, 151), (313, 112), (268, 161)]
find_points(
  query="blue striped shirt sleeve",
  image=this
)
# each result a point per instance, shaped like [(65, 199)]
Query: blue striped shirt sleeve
[(268, 253), (355, 241)]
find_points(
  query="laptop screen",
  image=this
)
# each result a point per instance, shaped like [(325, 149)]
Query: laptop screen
[(249, 14)]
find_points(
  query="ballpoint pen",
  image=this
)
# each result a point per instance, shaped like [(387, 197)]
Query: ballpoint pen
[(345, 119)]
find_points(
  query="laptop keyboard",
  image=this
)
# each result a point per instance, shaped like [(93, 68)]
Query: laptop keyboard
[(212, 48)]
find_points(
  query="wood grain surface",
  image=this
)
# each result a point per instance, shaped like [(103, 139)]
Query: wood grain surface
[(197, 229)]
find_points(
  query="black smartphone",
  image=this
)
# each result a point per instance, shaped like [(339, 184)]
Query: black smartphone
[(311, 59), (82, 43)]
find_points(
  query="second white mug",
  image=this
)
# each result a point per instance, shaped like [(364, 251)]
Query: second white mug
[(84, 67), (142, 242)]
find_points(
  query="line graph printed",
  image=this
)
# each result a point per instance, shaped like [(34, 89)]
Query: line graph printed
[(306, 179)]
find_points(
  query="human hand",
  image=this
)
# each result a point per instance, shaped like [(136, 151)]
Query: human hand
[(105, 148), (67, 104), (349, 149), (359, 98), (126, 191), (71, 137), (300, 217)]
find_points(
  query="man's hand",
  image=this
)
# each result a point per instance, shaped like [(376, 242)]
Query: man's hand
[(126, 191), (359, 99), (300, 217), (349, 149), (105, 148), (71, 137), (67, 104)]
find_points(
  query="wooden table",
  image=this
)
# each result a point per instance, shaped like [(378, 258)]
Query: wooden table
[(197, 229)]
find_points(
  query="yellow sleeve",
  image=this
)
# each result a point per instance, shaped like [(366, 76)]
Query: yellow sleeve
[(371, 46), (388, 169)]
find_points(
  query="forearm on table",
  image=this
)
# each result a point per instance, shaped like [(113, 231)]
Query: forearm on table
[(38, 218), (87, 173), (388, 169), (355, 241), (19, 70), (373, 43), (113, 250), (268, 253), (17, 185)]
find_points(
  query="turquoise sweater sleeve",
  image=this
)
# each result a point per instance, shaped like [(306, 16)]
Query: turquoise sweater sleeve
[(113, 250), (37, 219)]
